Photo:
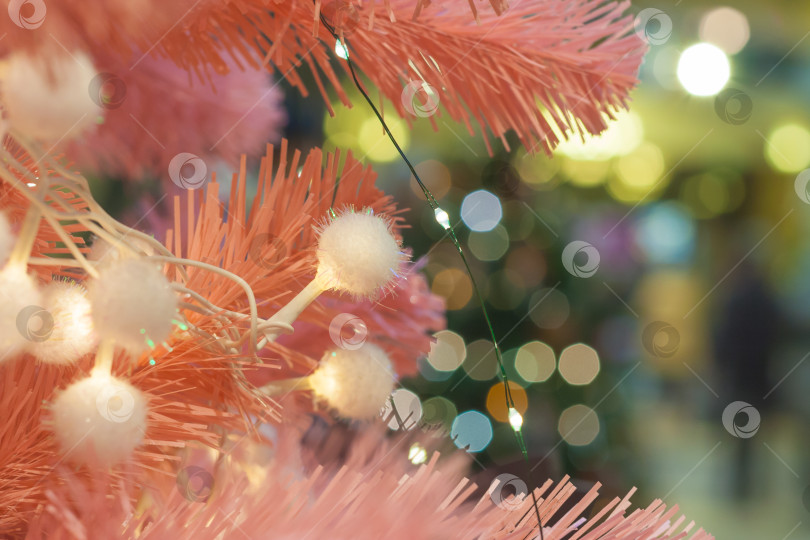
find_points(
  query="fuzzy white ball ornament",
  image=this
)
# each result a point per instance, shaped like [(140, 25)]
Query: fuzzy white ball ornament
[(358, 254), (356, 383), (48, 100), (103, 253), (132, 304), (7, 238), (20, 310), (99, 420), (71, 334)]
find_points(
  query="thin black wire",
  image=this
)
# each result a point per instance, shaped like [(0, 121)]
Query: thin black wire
[(510, 403)]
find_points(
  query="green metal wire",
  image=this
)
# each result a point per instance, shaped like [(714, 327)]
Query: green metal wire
[(510, 403)]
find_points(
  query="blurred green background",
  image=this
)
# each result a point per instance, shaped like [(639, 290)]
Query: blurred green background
[(667, 349)]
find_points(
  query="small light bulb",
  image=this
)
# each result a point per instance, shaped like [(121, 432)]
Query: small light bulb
[(515, 419), (442, 218), (341, 50), (417, 455)]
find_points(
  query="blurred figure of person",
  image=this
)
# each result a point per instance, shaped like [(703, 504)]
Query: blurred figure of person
[(745, 336)]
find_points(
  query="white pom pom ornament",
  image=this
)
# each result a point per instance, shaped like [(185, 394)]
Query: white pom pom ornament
[(70, 335), (356, 383), (49, 101), (132, 304), (20, 302), (358, 254), (99, 420)]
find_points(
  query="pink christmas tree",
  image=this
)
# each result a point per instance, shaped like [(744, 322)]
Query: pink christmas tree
[(164, 388)]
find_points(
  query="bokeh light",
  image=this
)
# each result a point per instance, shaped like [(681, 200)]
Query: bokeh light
[(535, 362), (454, 286), (788, 148), (376, 144), (480, 363), (578, 425), (586, 173), (621, 137), (703, 69), (471, 431), (579, 364), (408, 410), (436, 177), (438, 414), (428, 372), (447, 352), (549, 308), (711, 194), (666, 233), (496, 400), (490, 245), (481, 211), (638, 175), (725, 27), (536, 170)]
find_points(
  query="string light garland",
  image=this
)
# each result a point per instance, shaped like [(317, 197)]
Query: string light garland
[(442, 217)]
